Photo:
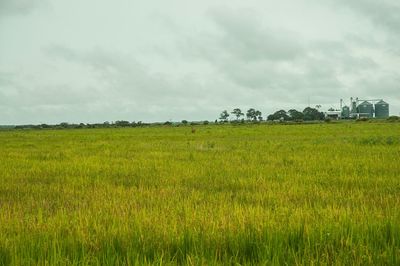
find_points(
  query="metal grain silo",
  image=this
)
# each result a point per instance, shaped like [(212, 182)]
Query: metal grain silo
[(346, 112), (353, 111), (366, 109), (381, 109)]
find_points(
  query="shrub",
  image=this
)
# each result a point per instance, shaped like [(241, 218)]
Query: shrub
[(393, 118)]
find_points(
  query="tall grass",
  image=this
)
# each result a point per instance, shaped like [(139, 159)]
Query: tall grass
[(305, 194)]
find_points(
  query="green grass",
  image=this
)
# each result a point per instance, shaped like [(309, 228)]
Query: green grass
[(321, 194)]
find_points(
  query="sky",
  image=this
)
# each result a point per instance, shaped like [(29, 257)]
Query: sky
[(101, 60)]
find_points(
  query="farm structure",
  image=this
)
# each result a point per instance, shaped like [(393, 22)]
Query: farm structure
[(376, 108)]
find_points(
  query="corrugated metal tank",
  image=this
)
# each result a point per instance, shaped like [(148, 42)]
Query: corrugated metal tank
[(366, 109), (346, 112), (381, 109), (353, 108)]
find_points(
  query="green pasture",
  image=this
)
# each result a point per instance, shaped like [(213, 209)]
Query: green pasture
[(318, 194)]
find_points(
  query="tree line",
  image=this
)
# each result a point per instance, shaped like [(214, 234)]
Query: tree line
[(251, 115), (308, 114), (64, 125)]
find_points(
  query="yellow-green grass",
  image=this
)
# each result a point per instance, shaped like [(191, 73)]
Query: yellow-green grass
[(249, 194)]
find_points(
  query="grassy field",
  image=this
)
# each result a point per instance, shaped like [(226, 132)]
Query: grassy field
[(249, 194)]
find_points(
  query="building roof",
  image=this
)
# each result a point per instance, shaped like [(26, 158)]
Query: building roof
[(333, 112), (365, 103), (381, 102)]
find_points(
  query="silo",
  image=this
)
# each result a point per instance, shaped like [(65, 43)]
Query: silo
[(346, 112), (353, 111), (366, 109), (381, 109)]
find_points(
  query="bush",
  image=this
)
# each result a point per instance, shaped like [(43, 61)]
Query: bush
[(362, 119), (122, 123), (64, 125), (393, 118)]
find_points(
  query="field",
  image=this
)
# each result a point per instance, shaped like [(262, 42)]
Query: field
[(251, 194)]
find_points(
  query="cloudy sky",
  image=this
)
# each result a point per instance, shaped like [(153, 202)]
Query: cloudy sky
[(103, 60)]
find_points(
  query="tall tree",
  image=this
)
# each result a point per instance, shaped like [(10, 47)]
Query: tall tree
[(238, 113), (279, 115), (311, 114), (295, 115), (224, 116), (250, 114), (258, 115)]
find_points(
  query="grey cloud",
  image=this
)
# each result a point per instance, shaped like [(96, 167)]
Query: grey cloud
[(15, 92), (19, 7), (388, 82), (272, 64), (6, 78), (124, 74), (125, 84), (247, 38), (273, 61), (384, 13), (97, 58), (121, 73)]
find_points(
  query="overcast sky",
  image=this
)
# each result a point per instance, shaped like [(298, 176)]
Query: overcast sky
[(102, 60)]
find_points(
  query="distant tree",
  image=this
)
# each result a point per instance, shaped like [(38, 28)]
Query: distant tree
[(250, 114), (238, 113), (311, 114), (185, 122), (279, 115), (271, 117), (318, 106), (205, 122), (295, 115), (64, 125), (223, 117), (258, 115), (122, 123), (393, 118)]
